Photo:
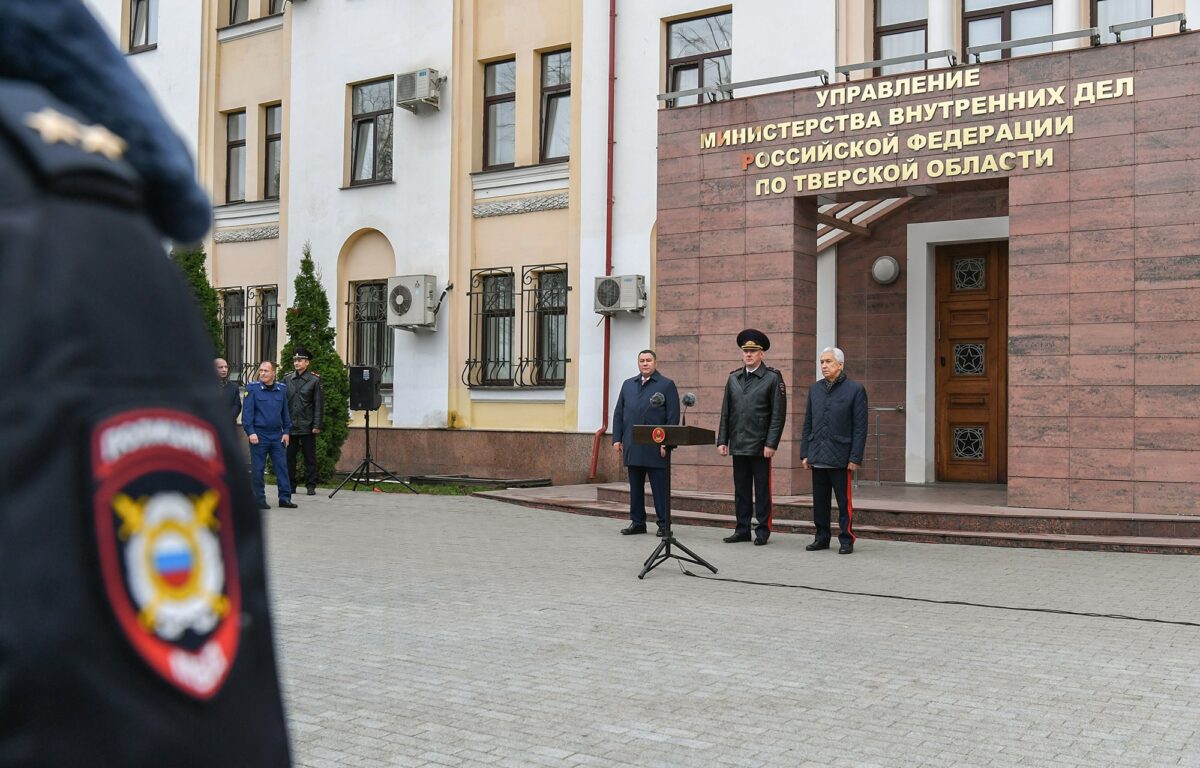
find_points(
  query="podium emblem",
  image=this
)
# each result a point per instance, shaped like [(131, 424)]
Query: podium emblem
[(659, 435)]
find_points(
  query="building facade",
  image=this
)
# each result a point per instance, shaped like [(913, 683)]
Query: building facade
[(541, 169)]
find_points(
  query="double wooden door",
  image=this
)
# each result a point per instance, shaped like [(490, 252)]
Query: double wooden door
[(972, 362)]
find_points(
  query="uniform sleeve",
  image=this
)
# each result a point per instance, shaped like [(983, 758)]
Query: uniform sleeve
[(618, 425), (723, 425), (806, 430), (248, 412), (287, 413), (672, 394), (319, 405), (858, 445), (778, 412)]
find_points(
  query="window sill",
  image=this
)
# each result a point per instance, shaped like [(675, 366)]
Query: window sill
[(142, 49), (522, 180), (361, 184), (249, 28), (518, 395), (242, 213)]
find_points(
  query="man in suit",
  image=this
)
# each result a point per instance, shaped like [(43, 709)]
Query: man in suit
[(231, 393), (648, 398), (832, 445), (753, 413)]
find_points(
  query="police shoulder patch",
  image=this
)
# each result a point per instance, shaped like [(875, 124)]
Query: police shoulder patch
[(164, 530)]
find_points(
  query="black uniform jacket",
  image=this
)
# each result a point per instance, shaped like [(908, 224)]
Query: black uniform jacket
[(134, 623), (753, 411), (306, 401)]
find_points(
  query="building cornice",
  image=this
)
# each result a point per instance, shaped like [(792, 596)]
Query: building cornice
[(250, 28), (526, 180)]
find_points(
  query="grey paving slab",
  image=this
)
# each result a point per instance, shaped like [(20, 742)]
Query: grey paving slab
[(451, 631)]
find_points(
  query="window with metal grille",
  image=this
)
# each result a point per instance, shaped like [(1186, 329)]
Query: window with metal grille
[(493, 303), (370, 341), (900, 30), (994, 21), (700, 54), (233, 331), (262, 328), (371, 132), (545, 301)]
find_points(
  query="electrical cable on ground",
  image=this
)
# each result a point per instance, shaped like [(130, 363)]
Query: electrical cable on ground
[(932, 601)]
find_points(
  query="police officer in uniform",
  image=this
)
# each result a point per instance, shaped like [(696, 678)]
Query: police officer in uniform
[(753, 412), (306, 404), (134, 623), (268, 427)]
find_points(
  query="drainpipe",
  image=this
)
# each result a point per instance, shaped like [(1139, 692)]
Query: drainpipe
[(608, 227)]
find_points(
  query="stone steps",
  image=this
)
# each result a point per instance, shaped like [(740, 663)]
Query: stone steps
[(991, 526)]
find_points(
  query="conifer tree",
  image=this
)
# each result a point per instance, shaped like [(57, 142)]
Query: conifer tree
[(191, 262), (308, 326)]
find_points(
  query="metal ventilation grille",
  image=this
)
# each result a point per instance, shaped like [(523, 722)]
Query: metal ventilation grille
[(406, 86)]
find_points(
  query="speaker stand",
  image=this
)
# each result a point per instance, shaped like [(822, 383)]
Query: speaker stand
[(662, 553), (362, 473)]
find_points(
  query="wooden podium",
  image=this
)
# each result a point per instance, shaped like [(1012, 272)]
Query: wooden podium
[(671, 436)]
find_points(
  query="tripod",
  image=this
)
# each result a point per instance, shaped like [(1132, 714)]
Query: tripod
[(663, 552), (362, 473)]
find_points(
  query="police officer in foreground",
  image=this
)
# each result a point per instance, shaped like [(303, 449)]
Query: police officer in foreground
[(134, 623), (753, 412), (306, 405), (268, 427)]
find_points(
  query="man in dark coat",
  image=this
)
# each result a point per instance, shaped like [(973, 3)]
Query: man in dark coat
[(753, 413), (306, 405), (231, 393), (832, 446), (648, 398), (268, 427), (134, 622)]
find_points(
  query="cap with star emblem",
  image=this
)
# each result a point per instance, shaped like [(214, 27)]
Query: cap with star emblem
[(753, 339)]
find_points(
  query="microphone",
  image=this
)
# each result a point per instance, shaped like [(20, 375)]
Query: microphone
[(688, 399), (657, 399)]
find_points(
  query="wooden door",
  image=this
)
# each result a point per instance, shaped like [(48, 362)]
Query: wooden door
[(972, 362)]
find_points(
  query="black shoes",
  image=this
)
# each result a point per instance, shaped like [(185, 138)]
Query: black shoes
[(632, 529), (761, 541), (813, 547), (263, 505), (846, 549), (288, 505), (662, 533), (735, 538), (311, 492)]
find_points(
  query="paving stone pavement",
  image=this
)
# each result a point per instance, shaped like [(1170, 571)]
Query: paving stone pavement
[(453, 631)]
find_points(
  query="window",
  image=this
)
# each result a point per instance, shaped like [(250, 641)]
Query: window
[(556, 106), (371, 133), (370, 338), (263, 328), (545, 363), (275, 6), (993, 21), (233, 331), (541, 360), (900, 27), (1105, 13), (239, 11), (500, 114), (235, 157), (273, 150), (141, 26), (700, 54)]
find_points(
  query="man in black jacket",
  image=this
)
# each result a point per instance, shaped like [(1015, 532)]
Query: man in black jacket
[(832, 445), (753, 412), (306, 402), (231, 393)]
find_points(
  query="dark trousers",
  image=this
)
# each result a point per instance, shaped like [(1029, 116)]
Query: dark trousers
[(637, 494), (836, 482), (752, 480), (258, 464), (309, 444)]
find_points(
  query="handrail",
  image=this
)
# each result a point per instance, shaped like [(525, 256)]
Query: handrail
[(878, 458), (846, 69), (1091, 32), (729, 87), (1117, 29)]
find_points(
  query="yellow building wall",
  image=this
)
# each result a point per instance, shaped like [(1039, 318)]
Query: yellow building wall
[(486, 31)]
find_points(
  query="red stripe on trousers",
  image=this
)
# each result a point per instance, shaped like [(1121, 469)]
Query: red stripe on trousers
[(850, 505)]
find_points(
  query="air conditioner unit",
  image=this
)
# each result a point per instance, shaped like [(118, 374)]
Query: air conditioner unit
[(417, 89), (411, 300), (620, 293)]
